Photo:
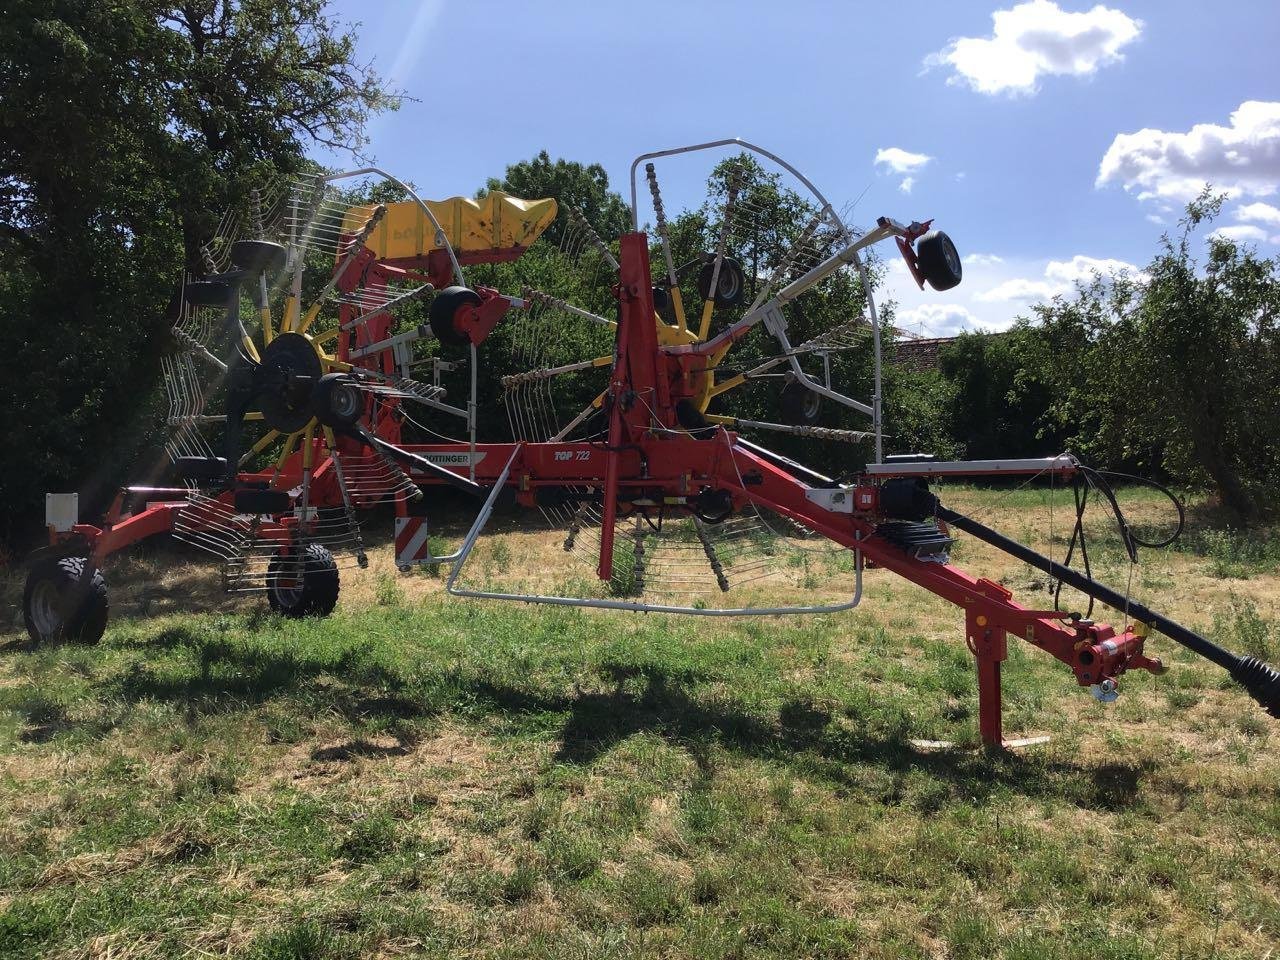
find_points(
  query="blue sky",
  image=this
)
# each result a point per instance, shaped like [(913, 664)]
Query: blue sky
[(1046, 138)]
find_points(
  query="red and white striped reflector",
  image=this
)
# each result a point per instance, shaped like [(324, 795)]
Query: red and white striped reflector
[(412, 541)]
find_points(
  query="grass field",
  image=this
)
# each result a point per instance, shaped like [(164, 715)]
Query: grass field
[(419, 776)]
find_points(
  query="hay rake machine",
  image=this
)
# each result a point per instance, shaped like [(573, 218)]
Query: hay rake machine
[(665, 499)]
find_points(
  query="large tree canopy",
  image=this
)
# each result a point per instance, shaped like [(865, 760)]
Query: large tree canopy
[(125, 130)]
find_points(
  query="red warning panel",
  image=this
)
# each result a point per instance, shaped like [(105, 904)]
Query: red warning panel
[(412, 541)]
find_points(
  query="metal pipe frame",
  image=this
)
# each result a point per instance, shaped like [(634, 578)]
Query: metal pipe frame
[(482, 520), (849, 255)]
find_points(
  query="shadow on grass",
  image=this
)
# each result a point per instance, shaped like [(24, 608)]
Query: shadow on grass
[(808, 741), (230, 676), (865, 749)]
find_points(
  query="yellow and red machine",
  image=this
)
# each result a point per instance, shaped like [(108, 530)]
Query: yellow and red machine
[(330, 398)]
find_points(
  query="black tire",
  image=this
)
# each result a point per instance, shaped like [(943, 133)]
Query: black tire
[(256, 255), (313, 594), (208, 293), (268, 502), (203, 470), (443, 308), (938, 260), (58, 605), (692, 419), (731, 285), (800, 406), (337, 402)]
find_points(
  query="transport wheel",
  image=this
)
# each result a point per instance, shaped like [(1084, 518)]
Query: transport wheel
[(57, 603), (729, 287), (938, 261), (303, 587), (800, 406), (256, 255), (207, 293), (443, 308)]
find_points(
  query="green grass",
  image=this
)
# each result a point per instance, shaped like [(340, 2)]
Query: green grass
[(432, 778)]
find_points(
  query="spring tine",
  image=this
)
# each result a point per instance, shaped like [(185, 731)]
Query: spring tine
[(590, 235), (660, 218), (809, 232), (537, 296)]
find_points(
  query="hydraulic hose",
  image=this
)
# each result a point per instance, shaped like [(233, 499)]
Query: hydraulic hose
[(1261, 680)]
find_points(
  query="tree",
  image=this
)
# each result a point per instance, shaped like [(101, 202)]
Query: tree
[(998, 406), (1178, 370), (572, 184), (125, 129)]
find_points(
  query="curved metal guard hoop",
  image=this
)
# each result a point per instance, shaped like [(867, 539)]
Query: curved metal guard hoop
[(873, 409), (482, 520)]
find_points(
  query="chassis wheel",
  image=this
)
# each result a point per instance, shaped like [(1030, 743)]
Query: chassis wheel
[(938, 261), (58, 605), (800, 406), (441, 312), (730, 286), (303, 586)]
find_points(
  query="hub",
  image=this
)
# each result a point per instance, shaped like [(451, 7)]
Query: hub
[(284, 381)]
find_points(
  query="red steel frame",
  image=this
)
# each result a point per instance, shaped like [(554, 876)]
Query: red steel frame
[(647, 454)]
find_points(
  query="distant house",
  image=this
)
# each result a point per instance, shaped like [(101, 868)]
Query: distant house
[(921, 354)]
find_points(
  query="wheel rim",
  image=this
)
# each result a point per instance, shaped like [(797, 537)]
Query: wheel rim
[(952, 257), (45, 608), (728, 284), (287, 589)]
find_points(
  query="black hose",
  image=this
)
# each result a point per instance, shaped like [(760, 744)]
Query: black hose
[(1261, 680), (1087, 479)]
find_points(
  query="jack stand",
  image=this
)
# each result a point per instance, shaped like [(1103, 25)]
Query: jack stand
[(989, 646)]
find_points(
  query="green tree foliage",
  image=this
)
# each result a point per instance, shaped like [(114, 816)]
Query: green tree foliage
[(1180, 373), (125, 130), (996, 403), (582, 186), (1175, 372)]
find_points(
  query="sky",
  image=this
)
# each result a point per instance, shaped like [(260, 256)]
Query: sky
[(1049, 139)]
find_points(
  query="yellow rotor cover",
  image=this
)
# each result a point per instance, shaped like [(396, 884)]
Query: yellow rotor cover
[(497, 222)]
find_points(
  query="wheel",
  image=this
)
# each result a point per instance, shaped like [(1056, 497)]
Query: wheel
[(938, 261), (443, 308), (337, 402), (207, 293), (204, 470), (58, 605), (311, 591), (800, 406), (731, 285), (255, 255)]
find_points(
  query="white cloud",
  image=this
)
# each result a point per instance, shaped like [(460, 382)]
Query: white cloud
[(982, 260), (1244, 233), (1242, 159), (1019, 288), (1060, 277), (1081, 268), (937, 319), (1259, 213), (1155, 218), (1033, 39), (901, 161), (897, 160)]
